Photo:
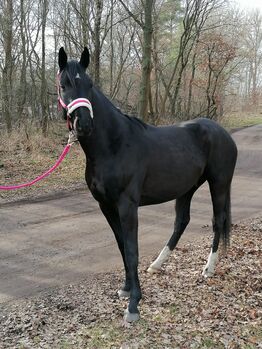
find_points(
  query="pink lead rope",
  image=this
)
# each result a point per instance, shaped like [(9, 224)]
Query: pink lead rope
[(71, 107), (47, 173)]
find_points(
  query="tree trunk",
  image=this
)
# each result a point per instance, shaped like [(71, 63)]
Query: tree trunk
[(8, 64), (190, 88), (84, 5), (146, 61), (112, 58), (44, 101), (22, 87), (97, 44)]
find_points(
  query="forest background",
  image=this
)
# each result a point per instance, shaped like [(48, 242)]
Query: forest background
[(165, 60)]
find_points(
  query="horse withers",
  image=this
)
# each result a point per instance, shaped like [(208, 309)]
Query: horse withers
[(131, 164)]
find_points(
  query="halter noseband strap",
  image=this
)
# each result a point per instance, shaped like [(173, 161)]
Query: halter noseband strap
[(80, 102)]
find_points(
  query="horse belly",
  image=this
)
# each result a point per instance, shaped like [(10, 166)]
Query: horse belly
[(167, 183)]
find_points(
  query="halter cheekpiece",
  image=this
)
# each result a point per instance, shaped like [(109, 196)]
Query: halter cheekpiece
[(72, 106)]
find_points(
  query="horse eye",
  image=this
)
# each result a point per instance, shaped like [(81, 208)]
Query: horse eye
[(62, 87)]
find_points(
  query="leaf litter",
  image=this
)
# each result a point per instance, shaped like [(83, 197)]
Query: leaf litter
[(180, 309)]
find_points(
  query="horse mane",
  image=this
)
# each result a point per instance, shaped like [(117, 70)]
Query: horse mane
[(136, 120)]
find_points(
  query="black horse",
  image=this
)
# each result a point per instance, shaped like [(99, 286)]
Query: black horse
[(130, 164)]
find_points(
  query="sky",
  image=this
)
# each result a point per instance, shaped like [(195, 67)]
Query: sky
[(250, 4)]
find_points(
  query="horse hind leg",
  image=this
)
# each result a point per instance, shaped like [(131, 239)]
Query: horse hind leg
[(221, 225), (181, 222)]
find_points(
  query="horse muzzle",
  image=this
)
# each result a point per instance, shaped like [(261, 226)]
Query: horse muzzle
[(81, 122)]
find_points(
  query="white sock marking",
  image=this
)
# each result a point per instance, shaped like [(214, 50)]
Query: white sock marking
[(163, 257), (209, 268)]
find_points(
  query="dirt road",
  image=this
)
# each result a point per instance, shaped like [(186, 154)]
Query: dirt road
[(55, 241)]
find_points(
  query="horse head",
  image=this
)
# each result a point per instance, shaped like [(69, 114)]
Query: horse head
[(74, 93)]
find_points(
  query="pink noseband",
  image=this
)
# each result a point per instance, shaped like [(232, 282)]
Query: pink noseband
[(77, 103)]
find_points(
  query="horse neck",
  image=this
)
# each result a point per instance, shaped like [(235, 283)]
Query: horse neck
[(108, 126)]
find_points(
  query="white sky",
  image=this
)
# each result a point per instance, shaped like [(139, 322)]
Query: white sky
[(250, 4)]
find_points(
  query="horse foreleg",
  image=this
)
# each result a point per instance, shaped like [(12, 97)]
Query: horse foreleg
[(129, 223), (181, 222), (111, 214)]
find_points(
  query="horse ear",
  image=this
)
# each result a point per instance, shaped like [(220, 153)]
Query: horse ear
[(84, 60), (62, 59)]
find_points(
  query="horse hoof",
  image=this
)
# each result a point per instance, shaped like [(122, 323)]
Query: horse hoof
[(123, 294), (130, 317), (152, 270), (207, 274)]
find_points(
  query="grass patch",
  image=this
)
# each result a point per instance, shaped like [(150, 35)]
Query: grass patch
[(173, 309), (239, 120), (110, 336), (65, 345), (208, 343)]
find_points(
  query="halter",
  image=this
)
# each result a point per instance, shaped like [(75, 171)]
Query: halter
[(72, 106)]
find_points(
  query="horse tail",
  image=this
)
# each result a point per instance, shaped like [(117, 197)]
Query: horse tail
[(227, 221)]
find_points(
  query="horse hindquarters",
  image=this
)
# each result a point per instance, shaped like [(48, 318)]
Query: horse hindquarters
[(220, 164)]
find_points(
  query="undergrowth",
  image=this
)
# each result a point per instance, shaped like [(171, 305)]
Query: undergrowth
[(26, 154)]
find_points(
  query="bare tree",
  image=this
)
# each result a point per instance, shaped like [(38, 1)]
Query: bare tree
[(22, 85), (146, 64), (166, 58), (6, 21), (253, 44), (44, 101), (196, 14)]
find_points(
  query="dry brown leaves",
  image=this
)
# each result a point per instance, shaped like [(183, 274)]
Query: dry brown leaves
[(179, 310)]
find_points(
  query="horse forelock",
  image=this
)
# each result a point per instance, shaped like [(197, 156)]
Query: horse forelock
[(71, 71), (74, 71)]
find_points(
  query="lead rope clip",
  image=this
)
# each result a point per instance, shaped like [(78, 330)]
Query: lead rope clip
[(72, 138)]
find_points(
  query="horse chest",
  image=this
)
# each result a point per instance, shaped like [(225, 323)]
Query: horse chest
[(104, 188)]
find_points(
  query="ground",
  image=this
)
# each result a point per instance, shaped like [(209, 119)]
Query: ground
[(180, 309), (60, 268)]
